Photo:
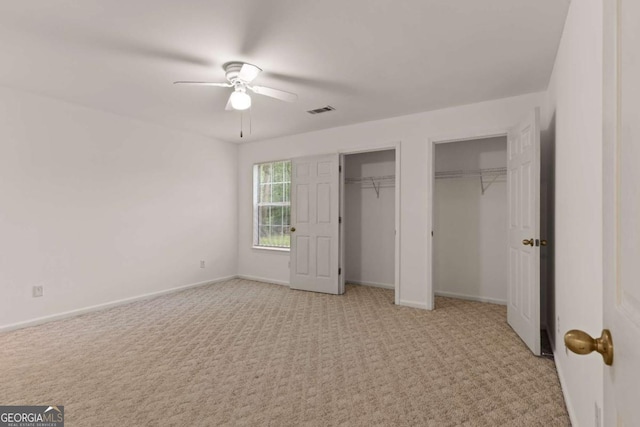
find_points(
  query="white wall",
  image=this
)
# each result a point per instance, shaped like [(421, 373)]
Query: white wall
[(369, 221), (574, 121), (472, 154), (470, 229), (97, 207), (413, 132)]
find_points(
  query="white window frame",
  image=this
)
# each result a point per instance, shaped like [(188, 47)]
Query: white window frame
[(256, 206)]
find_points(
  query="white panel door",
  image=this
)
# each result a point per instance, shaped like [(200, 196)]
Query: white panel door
[(621, 192), (341, 266), (314, 224), (523, 183)]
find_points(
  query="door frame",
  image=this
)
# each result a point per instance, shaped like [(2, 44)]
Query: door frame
[(370, 149), (431, 161)]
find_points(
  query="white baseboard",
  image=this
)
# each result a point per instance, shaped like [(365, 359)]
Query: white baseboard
[(262, 279), (414, 304), (98, 307), (372, 284), (470, 297)]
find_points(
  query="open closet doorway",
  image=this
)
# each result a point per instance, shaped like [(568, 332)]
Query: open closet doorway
[(369, 219), (470, 220), (467, 259)]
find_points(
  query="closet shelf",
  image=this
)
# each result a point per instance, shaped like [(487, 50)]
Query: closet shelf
[(487, 176), (375, 182)]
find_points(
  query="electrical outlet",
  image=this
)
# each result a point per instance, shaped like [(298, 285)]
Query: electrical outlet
[(201, 264), (38, 291)]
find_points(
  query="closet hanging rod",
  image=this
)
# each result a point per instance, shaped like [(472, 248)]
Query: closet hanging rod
[(476, 173), (369, 179), (489, 174), (375, 182)]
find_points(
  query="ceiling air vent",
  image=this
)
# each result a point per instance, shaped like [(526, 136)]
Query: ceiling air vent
[(321, 110)]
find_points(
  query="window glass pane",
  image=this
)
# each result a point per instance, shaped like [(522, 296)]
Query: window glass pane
[(278, 238), (262, 169), (277, 193), (265, 173), (269, 220), (287, 172), (278, 172), (286, 216), (263, 215), (265, 193), (276, 215), (265, 233), (286, 191)]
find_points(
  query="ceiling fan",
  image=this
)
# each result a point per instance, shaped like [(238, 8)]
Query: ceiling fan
[(239, 76)]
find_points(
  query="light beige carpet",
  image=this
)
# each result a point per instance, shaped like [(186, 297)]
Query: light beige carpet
[(246, 353)]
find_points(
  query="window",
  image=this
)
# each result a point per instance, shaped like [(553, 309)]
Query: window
[(272, 204)]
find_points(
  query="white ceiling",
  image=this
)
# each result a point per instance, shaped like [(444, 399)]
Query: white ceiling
[(370, 59)]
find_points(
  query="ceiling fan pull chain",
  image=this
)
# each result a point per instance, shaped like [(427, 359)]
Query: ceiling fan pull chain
[(241, 114)]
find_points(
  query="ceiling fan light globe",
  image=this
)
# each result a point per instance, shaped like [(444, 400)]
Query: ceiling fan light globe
[(240, 100)]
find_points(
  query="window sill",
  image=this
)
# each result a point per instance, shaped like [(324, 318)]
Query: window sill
[(274, 249)]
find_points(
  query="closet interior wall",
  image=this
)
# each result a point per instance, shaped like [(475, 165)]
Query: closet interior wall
[(369, 218), (470, 220)]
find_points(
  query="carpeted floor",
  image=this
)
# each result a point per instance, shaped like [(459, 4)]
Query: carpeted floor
[(246, 353)]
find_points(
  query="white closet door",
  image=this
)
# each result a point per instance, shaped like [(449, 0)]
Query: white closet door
[(523, 183), (621, 252), (314, 224), (341, 225)]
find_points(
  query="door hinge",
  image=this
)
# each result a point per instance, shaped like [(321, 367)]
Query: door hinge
[(339, 220), (340, 168), (339, 271)]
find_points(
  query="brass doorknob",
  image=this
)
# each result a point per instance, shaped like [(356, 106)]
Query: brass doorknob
[(527, 242), (543, 242), (293, 229), (581, 342)]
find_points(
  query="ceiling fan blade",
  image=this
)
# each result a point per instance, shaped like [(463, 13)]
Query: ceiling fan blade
[(248, 72), (229, 107), (203, 84), (274, 93)]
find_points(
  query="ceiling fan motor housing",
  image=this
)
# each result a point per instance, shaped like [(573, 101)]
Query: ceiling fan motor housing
[(232, 70)]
